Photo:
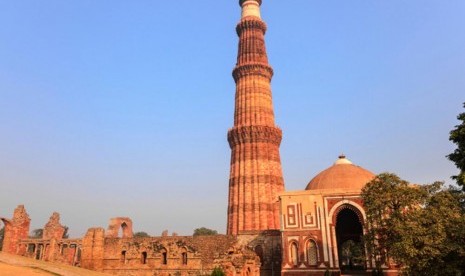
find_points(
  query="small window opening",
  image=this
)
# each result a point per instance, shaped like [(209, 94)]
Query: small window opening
[(63, 249), (78, 255), (123, 256), (164, 258), (122, 230), (184, 258), (144, 258)]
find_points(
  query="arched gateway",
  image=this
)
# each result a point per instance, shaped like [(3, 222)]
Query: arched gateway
[(349, 238)]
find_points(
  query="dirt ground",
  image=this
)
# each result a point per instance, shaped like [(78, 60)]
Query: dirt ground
[(10, 270), (12, 265)]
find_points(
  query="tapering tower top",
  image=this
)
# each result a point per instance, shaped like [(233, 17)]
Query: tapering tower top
[(250, 7), (256, 177)]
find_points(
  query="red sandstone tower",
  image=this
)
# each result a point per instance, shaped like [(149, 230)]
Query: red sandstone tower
[(256, 176)]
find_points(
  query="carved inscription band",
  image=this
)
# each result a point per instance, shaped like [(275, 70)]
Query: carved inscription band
[(262, 206), (258, 69), (250, 24), (250, 180), (254, 134)]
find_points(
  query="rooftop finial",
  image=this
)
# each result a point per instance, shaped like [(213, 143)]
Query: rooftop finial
[(250, 8), (342, 160), (242, 2)]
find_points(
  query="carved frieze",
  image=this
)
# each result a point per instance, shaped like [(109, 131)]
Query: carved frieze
[(257, 69), (254, 134), (250, 24)]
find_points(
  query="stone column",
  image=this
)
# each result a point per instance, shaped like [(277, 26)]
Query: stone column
[(93, 249)]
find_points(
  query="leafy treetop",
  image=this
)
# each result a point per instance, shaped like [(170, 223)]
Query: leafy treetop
[(420, 227), (457, 136), (202, 231), (37, 233), (2, 233), (65, 233), (141, 234), (218, 272)]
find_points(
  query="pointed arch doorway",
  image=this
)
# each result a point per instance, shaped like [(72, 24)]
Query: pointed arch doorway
[(349, 237)]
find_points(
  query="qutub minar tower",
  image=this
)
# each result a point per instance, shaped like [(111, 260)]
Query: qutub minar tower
[(256, 176)]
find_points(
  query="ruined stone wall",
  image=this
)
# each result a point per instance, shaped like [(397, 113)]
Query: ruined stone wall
[(16, 229), (120, 223), (267, 246), (167, 255), (53, 229), (119, 253), (92, 249)]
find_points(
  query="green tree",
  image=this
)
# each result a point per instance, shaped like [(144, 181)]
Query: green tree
[(218, 272), (2, 233), (385, 198), (141, 235), (457, 136), (65, 233), (433, 237), (352, 252), (202, 231), (420, 227), (37, 234)]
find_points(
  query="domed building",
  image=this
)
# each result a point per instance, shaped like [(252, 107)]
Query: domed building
[(322, 226)]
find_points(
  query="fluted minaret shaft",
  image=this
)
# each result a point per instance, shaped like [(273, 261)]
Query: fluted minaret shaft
[(256, 175)]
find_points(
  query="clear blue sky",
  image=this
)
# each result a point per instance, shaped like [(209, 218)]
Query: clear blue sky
[(121, 108)]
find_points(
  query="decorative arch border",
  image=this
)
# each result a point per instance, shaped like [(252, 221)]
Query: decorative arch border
[(332, 215), (290, 244), (347, 204), (306, 242)]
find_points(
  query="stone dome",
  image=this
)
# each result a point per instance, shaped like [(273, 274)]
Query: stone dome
[(341, 175)]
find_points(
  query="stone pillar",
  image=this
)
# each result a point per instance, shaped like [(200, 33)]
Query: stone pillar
[(16, 230), (53, 249), (256, 176), (93, 249)]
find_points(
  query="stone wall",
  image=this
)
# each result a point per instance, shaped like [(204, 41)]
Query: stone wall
[(166, 255), (16, 229), (53, 229), (267, 246)]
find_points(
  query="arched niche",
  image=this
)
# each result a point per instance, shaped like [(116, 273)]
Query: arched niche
[(120, 227)]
